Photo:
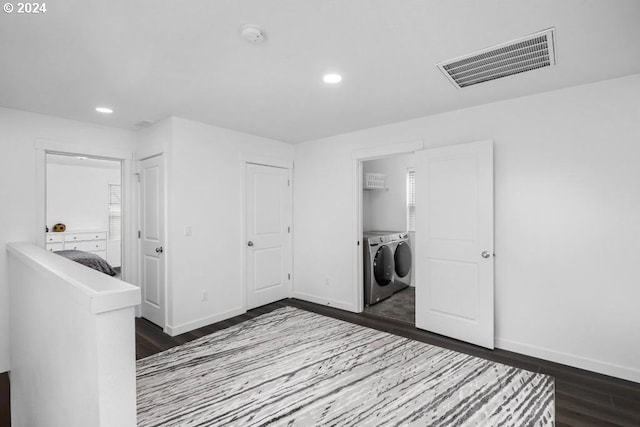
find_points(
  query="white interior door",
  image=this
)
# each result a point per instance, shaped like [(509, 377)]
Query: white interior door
[(268, 213), (152, 256), (454, 242)]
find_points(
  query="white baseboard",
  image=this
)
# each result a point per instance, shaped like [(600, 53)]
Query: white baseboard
[(324, 301), (204, 321), (605, 368)]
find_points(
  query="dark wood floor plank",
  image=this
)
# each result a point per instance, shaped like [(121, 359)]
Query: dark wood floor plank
[(5, 401), (601, 415)]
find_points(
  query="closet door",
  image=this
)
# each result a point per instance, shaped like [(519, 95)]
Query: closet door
[(454, 242), (268, 213)]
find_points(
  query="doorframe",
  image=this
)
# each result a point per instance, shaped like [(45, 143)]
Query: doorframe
[(45, 146), (246, 159), (358, 157)]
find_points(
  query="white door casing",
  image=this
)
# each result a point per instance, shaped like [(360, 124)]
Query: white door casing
[(454, 242), (152, 238), (268, 238)]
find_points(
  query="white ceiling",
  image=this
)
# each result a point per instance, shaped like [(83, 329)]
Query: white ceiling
[(149, 59)]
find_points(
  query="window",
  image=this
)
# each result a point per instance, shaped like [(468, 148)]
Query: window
[(411, 199), (115, 212)]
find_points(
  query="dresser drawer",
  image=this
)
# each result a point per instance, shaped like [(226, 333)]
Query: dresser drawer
[(52, 247), (54, 238), (91, 246), (79, 237)]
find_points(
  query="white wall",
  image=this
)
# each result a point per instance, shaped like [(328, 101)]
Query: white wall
[(567, 218), (18, 131), (78, 196), (386, 209), (204, 174)]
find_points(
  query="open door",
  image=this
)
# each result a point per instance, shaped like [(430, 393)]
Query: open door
[(152, 258), (454, 242)]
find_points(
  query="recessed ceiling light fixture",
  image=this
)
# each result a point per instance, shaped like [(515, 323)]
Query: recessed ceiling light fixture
[(332, 78), (81, 157), (104, 110)]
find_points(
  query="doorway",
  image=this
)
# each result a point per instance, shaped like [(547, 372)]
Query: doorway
[(388, 218), (83, 209)]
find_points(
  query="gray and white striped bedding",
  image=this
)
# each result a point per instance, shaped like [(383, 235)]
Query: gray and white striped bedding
[(292, 367)]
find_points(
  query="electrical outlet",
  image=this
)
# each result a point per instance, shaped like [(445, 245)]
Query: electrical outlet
[(205, 296), (326, 281), (187, 230)]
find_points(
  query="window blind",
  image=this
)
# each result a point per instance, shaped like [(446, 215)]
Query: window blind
[(411, 200)]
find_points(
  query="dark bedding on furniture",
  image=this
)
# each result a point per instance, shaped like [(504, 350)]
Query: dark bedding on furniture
[(90, 260)]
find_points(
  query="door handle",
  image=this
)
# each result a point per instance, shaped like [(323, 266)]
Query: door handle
[(485, 254), (159, 250), (249, 243)]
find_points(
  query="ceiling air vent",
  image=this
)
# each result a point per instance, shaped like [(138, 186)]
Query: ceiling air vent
[(506, 59)]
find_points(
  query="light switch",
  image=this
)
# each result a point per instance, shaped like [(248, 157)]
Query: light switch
[(187, 230)]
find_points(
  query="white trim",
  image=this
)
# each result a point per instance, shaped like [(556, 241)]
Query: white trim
[(326, 302), (41, 197), (266, 161), (618, 371), (54, 146), (204, 321), (243, 231), (357, 252), (387, 150)]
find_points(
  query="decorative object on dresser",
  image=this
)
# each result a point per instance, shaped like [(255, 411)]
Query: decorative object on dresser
[(87, 241), (59, 227)]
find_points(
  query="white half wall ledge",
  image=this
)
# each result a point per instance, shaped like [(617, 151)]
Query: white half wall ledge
[(97, 291)]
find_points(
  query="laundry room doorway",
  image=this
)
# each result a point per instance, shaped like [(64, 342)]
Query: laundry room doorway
[(388, 209), (449, 203)]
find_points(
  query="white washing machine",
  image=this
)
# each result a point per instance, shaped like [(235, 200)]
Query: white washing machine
[(387, 264)]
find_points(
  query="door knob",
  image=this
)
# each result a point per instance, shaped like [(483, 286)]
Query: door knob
[(159, 250), (485, 254), (249, 243)]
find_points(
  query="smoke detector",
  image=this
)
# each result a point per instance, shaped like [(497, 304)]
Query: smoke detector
[(252, 33), (517, 56)]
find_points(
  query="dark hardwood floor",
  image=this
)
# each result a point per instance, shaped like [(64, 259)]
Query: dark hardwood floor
[(583, 399)]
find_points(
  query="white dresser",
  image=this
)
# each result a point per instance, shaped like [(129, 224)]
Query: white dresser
[(88, 241)]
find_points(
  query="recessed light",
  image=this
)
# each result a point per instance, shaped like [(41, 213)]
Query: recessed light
[(332, 78), (81, 157), (105, 110)]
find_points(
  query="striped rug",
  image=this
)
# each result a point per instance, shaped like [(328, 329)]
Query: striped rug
[(292, 367)]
